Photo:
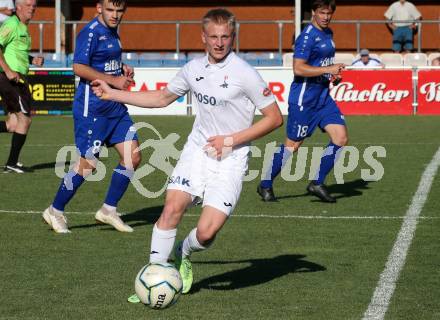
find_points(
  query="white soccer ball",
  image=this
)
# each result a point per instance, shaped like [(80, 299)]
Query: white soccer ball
[(158, 285)]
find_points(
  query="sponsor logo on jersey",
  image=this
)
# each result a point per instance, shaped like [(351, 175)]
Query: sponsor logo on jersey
[(204, 98), (93, 25), (266, 92), (101, 38), (112, 65), (224, 85), (327, 61), (227, 204), (199, 78), (179, 180)]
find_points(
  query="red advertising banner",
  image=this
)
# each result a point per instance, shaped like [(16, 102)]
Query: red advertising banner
[(364, 92), (429, 92)]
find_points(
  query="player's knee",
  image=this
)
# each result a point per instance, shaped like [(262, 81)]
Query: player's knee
[(23, 120), (171, 214), (343, 141), (11, 125), (85, 167), (136, 158), (291, 145), (205, 235)]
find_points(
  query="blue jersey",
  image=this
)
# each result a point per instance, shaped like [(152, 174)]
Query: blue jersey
[(317, 48), (100, 48)]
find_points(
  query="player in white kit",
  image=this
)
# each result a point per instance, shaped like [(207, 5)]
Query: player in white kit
[(226, 90)]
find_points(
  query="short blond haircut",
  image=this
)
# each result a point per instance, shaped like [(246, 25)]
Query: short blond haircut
[(219, 16)]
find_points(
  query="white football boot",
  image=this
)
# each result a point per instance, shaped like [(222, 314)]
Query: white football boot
[(57, 221), (112, 218)]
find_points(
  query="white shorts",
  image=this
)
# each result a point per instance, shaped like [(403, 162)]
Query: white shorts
[(217, 182)]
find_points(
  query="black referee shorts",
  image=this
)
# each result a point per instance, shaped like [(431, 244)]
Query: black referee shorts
[(16, 97)]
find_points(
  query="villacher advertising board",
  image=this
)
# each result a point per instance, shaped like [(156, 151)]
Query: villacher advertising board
[(379, 92), (429, 92)]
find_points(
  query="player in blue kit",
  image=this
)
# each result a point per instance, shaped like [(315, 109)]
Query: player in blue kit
[(310, 103), (98, 122)]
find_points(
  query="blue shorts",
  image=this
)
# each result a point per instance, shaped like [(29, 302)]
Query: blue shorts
[(302, 121), (92, 133), (402, 36)]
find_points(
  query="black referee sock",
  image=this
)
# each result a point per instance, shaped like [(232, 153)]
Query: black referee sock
[(3, 127), (18, 140)]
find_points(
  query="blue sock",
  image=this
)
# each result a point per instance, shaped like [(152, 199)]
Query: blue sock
[(70, 183), (328, 159), (119, 184), (279, 159)]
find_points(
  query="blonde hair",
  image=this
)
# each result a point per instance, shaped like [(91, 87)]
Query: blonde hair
[(219, 16)]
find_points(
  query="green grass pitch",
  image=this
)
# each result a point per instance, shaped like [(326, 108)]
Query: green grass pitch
[(294, 259)]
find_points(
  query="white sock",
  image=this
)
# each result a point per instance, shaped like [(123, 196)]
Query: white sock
[(109, 208), (162, 242), (191, 244), (57, 211)]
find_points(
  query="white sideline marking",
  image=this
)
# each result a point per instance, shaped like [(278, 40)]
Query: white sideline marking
[(396, 260), (251, 216)]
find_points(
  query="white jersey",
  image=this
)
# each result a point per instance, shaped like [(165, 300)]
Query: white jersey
[(226, 95), (405, 11), (372, 62)]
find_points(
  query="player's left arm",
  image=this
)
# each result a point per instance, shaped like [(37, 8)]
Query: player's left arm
[(272, 119)]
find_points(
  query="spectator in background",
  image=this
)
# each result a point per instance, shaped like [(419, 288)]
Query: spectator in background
[(403, 32), (366, 61), (436, 62), (6, 9)]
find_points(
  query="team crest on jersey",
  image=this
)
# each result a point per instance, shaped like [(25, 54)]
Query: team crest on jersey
[(225, 84), (266, 92)]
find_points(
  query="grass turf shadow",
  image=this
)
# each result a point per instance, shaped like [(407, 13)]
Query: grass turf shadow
[(145, 216), (346, 190), (258, 272)]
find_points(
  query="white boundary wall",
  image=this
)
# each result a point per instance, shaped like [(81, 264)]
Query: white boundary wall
[(278, 80)]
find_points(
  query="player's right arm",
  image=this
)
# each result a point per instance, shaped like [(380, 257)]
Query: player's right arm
[(302, 69), (86, 72), (86, 45), (143, 99), (304, 45)]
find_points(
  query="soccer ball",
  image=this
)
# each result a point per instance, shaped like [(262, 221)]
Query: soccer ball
[(158, 285)]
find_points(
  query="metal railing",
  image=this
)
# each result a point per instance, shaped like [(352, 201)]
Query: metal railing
[(279, 23), (41, 24), (358, 24)]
